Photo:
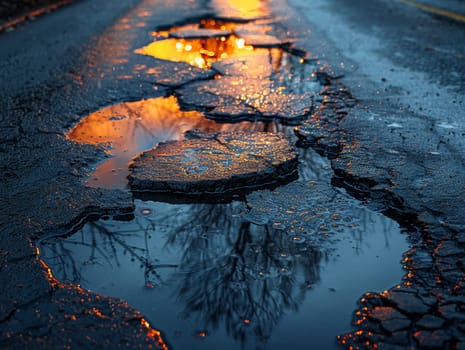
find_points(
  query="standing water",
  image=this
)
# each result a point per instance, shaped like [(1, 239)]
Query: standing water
[(234, 274)]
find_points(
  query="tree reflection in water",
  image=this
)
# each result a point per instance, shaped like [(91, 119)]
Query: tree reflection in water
[(240, 274), (226, 272)]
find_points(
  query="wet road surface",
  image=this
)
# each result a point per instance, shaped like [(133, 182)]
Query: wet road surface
[(405, 67), (380, 96)]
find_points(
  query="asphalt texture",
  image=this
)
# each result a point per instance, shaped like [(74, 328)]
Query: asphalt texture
[(390, 118), (401, 147)]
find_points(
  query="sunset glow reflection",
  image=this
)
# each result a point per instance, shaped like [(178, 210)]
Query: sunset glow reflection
[(129, 128)]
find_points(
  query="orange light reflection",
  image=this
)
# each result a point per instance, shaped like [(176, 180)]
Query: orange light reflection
[(242, 9), (200, 51), (129, 128), (154, 334), (53, 281), (34, 13), (197, 52)]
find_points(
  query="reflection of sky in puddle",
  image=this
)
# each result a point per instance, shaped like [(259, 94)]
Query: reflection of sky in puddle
[(197, 52), (129, 128), (200, 45), (206, 276)]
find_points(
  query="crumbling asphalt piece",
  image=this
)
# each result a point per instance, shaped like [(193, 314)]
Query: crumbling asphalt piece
[(201, 33), (321, 131), (176, 74), (259, 99), (214, 163), (267, 84)]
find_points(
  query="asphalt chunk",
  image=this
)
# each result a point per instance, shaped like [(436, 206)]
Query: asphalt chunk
[(214, 163)]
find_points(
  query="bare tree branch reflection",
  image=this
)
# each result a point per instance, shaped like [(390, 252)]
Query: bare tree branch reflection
[(225, 271), (251, 285)]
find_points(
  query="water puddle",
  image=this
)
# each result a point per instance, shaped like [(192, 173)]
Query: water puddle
[(206, 274), (197, 52), (129, 128), (197, 44), (212, 40)]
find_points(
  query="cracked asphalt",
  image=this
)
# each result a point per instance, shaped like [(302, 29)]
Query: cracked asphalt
[(405, 154), (389, 116)]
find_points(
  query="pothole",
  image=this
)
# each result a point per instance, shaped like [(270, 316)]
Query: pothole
[(289, 264)]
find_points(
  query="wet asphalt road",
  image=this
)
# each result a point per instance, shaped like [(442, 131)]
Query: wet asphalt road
[(405, 67), (400, 148)]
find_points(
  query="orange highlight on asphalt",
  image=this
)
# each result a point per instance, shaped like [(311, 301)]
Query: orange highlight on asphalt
[(34, 13)]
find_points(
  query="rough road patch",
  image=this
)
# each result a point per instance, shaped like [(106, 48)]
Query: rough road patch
[(214, 163)]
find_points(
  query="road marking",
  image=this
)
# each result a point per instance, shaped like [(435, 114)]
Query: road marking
[(435, 10)]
